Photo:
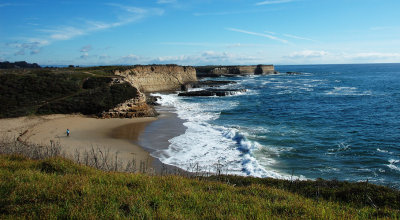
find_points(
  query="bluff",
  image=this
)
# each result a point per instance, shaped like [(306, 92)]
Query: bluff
[(215, 71), (157, 78)]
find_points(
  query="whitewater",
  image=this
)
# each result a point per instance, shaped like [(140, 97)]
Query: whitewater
[(328, 121)]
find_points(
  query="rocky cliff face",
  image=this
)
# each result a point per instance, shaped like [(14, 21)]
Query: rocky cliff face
[(150, 78), (215, 71), (156, 78), (132, 108)]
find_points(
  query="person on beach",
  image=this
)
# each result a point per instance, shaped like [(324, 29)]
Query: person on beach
[(67, 132)]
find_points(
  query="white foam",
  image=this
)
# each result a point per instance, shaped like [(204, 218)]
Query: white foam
[(347, 91), (393, 166), (209, 146), (382, 151)]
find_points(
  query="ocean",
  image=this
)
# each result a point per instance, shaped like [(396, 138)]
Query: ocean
[(332, 121)]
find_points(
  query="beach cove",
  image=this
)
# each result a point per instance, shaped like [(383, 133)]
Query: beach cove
[(116, 135)]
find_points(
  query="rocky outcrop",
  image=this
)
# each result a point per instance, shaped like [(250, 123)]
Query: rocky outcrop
[(207, 83), (213, 92), (157, 78), (216, 71), (293, 73), (148, 78), (132, 108)]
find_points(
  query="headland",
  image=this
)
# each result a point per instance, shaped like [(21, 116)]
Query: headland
[(106, 107)]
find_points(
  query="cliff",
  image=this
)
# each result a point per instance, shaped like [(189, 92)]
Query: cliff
[(215, 71), (157, 78), (132, 108)]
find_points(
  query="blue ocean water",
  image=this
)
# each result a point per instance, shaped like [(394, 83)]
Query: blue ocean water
[(333, 122)]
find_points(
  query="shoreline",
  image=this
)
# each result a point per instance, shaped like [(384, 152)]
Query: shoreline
[(156, 136), (132, 138), (86, 133)]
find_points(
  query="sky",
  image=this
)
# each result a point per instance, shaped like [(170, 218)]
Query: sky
[(199, 32)]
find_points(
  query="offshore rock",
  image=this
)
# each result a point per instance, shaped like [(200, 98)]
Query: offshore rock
[(293, 73), (152, 100), (207, 83), (213, 92)]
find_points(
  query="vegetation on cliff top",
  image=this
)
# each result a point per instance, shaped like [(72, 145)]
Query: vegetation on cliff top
[(59, 188), (59, 90)]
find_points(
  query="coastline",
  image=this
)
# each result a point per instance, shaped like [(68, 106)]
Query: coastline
[(133, 138), (86, 132), (156, 136)]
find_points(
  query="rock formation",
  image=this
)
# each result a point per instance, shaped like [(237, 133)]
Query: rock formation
[(149, 78), (216, 71), (207, 83), (157, 78), (132, 108), (213, 92)]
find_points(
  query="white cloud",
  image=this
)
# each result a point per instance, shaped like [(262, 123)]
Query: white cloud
[(297, 37), (132, 59), (373, 56), (133, 14), (258, 34), (202, 58), (324, 57), (207, 58), (86, 48), (85, 51), (308, 54), (215, 45), (31, 46), (50, 35), (194, 44), (84, 55), (270, 2)]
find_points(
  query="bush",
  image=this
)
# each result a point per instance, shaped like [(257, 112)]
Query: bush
[(47, 91)]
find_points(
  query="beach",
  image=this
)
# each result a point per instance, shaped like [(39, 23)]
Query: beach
[(117, 135)]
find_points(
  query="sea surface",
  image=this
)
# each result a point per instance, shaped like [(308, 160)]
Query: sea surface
[(332, 121)]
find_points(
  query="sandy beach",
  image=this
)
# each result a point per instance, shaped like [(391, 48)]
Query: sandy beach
[(118, 135)]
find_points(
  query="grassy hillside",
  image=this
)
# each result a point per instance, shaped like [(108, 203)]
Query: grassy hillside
[(59, 90), (59, 188)]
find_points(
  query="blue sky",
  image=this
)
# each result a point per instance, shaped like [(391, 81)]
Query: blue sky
[(200, 32)]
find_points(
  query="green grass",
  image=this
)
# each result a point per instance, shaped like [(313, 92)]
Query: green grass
[(59, 188)]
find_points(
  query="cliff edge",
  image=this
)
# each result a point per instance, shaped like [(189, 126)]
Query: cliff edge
[(216, 71), (158, 78)]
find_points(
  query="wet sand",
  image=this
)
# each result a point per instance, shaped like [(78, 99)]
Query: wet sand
[(118, 135), (153, 136), (139, 138)]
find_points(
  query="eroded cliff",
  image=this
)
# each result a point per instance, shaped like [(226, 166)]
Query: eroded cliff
[(132, 108), (215, 71), (157, 78)]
